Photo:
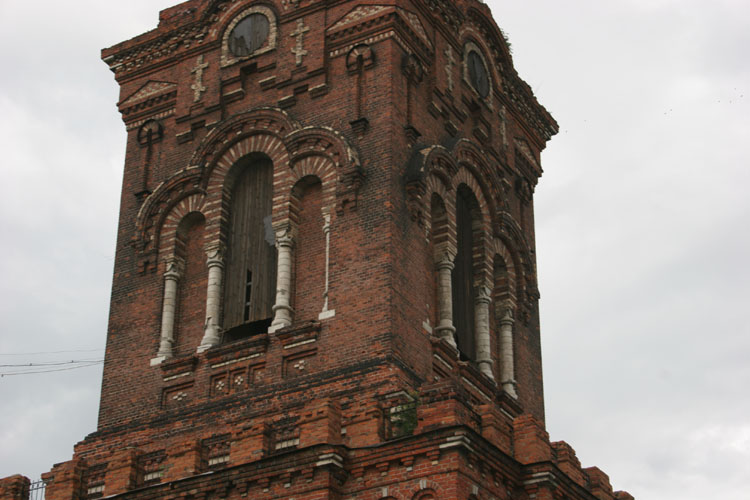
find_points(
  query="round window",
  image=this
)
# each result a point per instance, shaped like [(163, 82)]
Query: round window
[(478, 74), (249, 35)]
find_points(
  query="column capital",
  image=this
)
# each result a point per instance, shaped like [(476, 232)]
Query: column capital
[(445, 255), (175, 266), (482, 294), (285, 235), (215, 255), (506, 316)]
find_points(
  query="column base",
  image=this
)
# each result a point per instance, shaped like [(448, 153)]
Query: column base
[(509, 386), (210, 339), (485, 366), (157, 360), (447, 333)]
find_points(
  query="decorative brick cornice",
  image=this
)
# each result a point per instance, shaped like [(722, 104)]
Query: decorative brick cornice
[(156, 50), (150, 95), (447, 12), (293, 148), (517, 92), (154, 211), (367, 20)]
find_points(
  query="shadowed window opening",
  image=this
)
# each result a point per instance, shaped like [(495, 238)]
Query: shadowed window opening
[(462, 282), (190, 300), (250, 288), (478, 74), (248, 292), (249, 35)]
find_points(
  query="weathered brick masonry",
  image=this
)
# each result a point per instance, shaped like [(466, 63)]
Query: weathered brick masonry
[(325, 279)]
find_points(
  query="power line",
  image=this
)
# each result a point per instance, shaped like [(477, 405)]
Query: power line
[(11, 374), (60, 363), (49, 352)]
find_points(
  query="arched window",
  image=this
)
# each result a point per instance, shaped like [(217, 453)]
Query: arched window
[(249, 292), (251, 33), (502, 295), (310, 248), (467, 222), (185, 280), (192, 285)]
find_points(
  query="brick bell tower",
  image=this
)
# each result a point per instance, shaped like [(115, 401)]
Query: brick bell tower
[(325, 281)]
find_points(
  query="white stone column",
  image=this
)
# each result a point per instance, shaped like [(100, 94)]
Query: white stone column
[(215, 263), (168, 311), (282, 309), (327, 313), (482, 330), (506, 352), (445, 329)]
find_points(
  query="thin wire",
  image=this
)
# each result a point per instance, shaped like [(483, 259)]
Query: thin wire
[(49, 352), (73, 361), (11, 374)]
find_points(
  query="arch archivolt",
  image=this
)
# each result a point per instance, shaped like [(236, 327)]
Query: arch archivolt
[(426, 490), (324, 170), (222, 176), (168, 234), (435, 186), (266, 121), (499, 249), (206, 187), (469, 154), (466, 177), (510, 232), (446, 170), (154, 211), (483, 266), (500, 257), (442, 172), (441, 162), (295, 152)]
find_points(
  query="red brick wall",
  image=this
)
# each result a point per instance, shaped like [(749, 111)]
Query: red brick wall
[(287, 401), (14, 488), (382, 278), (192, 292), (309, 256)]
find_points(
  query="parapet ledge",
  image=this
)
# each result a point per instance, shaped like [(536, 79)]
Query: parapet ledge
[(14, 487), (64, 480), (169, 19), (474, 385), (532, 448)]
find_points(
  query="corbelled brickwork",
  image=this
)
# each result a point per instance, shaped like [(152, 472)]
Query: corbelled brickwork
[(325, 278)]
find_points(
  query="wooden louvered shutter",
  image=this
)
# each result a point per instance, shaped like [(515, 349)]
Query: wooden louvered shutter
[(251, 256)]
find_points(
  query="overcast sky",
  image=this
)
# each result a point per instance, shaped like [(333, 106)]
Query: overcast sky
[(642, 228)]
